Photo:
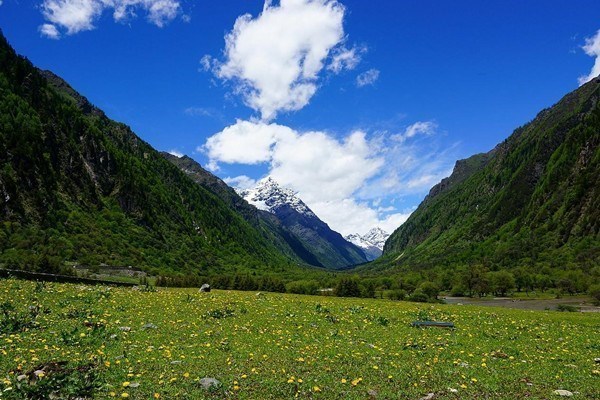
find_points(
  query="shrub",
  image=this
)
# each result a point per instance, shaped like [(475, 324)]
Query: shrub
[(418, 297), (302, 287), (594, 291), (429, 289), (566, 308), (458, 291), (397, 294)]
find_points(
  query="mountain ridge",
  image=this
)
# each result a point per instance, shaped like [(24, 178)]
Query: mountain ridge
[(532, 200), (329, 246), (78, 187), (371, 242)]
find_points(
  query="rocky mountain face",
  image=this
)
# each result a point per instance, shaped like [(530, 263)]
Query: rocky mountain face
[(371, 243), (78, 187), (328, 246), (533, 201)]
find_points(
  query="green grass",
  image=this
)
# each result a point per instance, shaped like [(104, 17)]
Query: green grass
[(278, 346)]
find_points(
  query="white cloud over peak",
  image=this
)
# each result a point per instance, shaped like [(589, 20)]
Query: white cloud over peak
[(274, 59), (245, 142), (336, 177), (175, 153), (592, 49), (241, 182), (75, 16), (367, 78)]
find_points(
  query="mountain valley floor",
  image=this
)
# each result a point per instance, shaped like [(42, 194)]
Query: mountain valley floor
[(69, 340)]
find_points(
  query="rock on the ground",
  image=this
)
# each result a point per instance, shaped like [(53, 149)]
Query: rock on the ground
[(205, 288), (209, 383), (564, 393), (429, 396)]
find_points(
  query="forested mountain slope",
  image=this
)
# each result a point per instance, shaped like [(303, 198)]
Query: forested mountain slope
[(533, 201), (78, 187)]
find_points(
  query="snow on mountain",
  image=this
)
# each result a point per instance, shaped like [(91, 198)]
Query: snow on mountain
[(372, 242), (377, 237), (268, 195)]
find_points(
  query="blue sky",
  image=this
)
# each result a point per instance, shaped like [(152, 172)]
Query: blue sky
[(416, 85)]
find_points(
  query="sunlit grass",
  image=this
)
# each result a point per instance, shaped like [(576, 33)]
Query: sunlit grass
[(161, 344)]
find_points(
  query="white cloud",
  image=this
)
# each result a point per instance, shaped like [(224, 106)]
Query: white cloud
[(344, 59), (335, 177), (592, 49), (200, 111), (49, 31), (347, 216), (80, 15), (241, 182), (367, 78), (206, 63), (322, 168), (160, 12), (73, 15), (274, 59), (175, 153), (418, 128), (245, 142)]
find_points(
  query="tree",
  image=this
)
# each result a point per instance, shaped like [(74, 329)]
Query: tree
[(430, 289), (501, 282), (347, 287), (523, 279), (594, 291)]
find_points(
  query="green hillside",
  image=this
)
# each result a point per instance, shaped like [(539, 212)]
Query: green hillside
[(265, 222), (532, 202), (78, 187)]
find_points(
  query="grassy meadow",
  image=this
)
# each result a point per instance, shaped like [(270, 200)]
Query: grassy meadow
[(68, 341)]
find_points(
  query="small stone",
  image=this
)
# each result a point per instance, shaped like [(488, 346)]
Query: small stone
[(463, 364), (452, 390), (564, 393), (39, 372), (113, 336), (209, 383), (149, 326), (21, 377), (429, 396), (597, 360), (372, 393), (125, 328), (134, 384)]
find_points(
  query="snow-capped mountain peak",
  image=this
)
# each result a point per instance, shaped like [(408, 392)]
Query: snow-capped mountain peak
[(377, 237), (372, 242), (268, 195)]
